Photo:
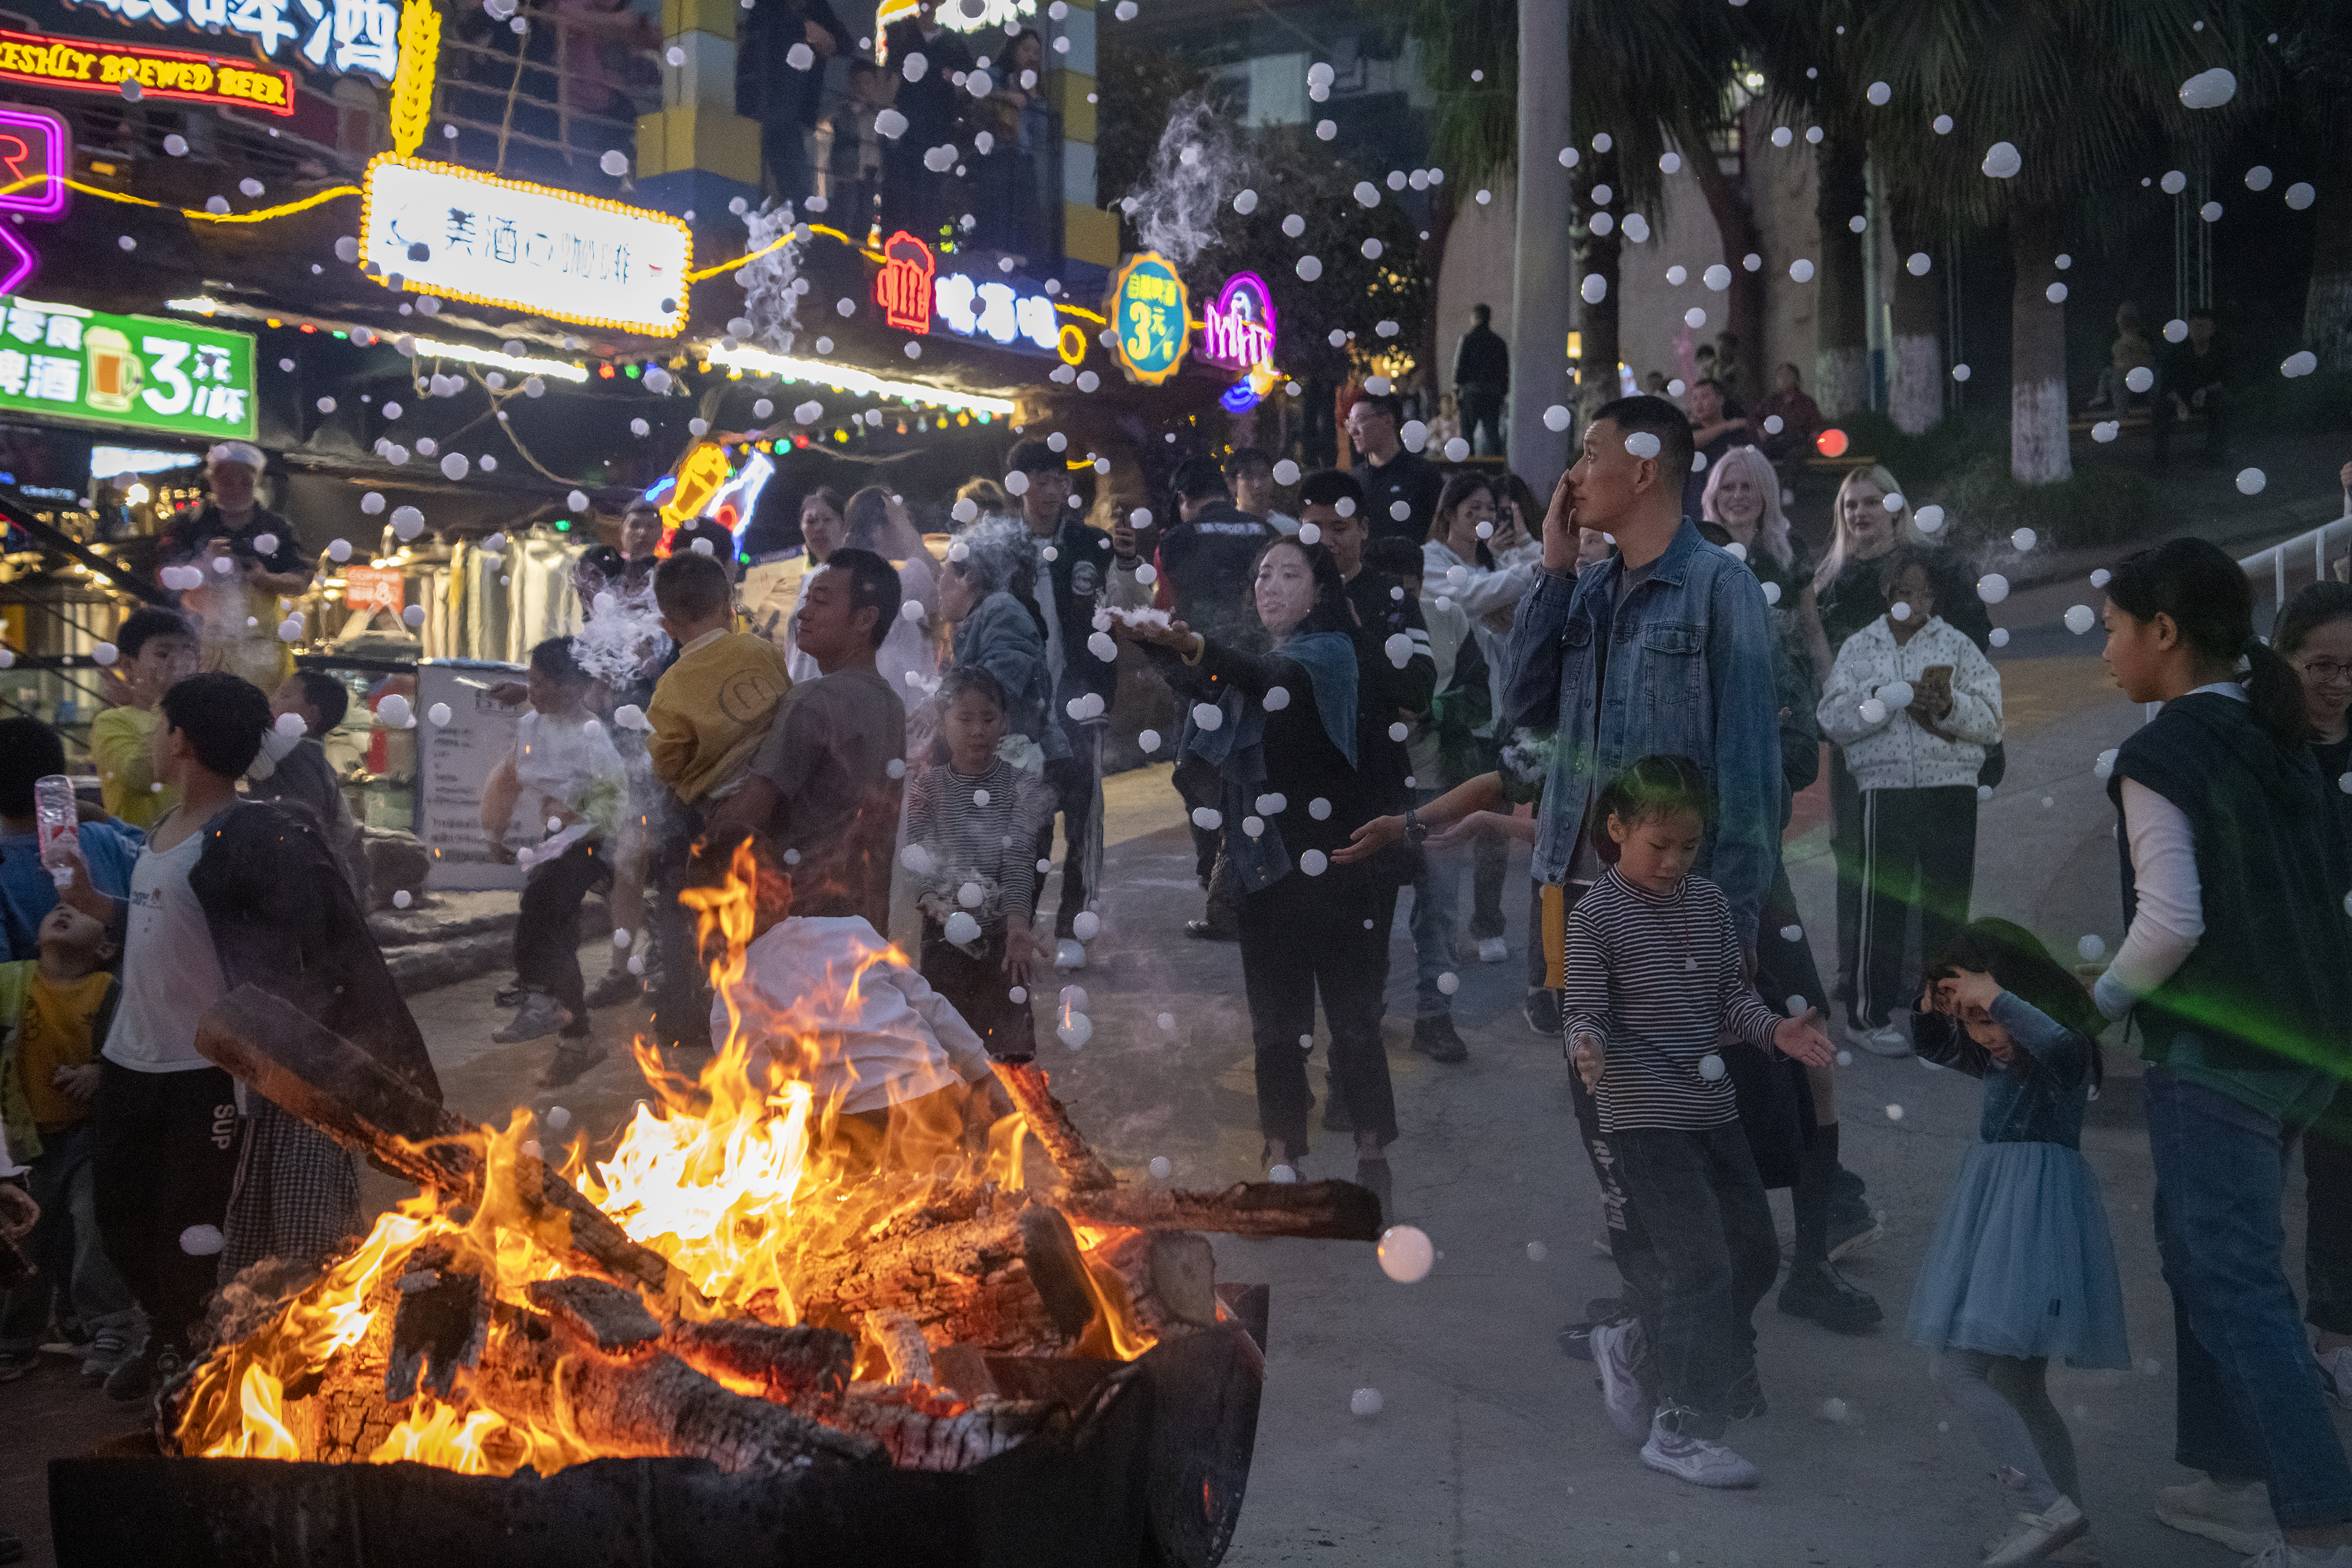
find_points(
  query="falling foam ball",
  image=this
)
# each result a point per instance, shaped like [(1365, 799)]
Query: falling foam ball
[(1642, 444), (1319, 809), (1595, 288), (407, 522), (639, 427), (2303, 362), (1149, 742), (1283, 1175), (2092, 949), (972, 895), (614, 162), (1710, 1066), (1879, 94), (393, 713), (1998, 636), (2055, 293), (1992, 587), (2209, 88), (1364, 1402), (455, 466), (199, 1241), (289, 725), (1556, 419), (1694, 318), (1208, 818), (1871, 709), (1801, 270), (1894, 1114), (1160, 1168), (2300, 195), (2173, 182), (1942, 124), (126, 243), (1276, 700), (1449, 983), (341, 550), (1325, 130), (1897, 693), (1960, 372), (1833, 1409), (1406, 1254), (1087, 926), (2023, 540), (1313, 862), (2250, 481), (2175, 330), (962, 929), (2080, 619), (800, 56), (1310, 269), (2000, 160), (1771, 593)]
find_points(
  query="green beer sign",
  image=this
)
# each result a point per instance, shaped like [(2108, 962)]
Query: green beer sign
[(146, 373)]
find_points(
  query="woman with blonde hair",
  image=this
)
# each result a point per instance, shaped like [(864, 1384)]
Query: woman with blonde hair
[(1846, 586)]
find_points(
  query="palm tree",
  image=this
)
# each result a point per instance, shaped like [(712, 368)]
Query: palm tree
[(2086, 92), (1641, 74)]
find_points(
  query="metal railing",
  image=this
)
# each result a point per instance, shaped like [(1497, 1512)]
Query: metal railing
[(2311, 545)]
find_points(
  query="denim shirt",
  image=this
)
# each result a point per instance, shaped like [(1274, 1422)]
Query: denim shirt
[(2039, 1095), (1690, 673)]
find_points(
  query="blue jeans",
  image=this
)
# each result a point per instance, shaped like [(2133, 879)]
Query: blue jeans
[(1436, 912), (2250, 1405), (65, 1246)]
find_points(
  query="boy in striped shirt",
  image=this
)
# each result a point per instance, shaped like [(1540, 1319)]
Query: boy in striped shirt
[(1653, 985)]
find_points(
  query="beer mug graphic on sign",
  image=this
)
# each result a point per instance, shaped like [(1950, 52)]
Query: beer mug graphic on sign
[(115, 373)]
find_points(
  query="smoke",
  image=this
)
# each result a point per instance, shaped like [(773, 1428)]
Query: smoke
[(622, 636), (772, 298), (1193, 170)]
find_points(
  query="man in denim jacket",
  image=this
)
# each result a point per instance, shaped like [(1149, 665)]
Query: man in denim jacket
[(1663, 649)]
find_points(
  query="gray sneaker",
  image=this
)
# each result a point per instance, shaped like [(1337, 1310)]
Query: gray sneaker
[(539, 1016), (1614, 1348), (109, 1349), (2240, 1518), (1702, 1461)]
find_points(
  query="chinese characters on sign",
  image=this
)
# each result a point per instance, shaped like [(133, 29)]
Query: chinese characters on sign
[(88, 64), (146, 371), (35, 149), (996, 309), (338, 36), (373, 588), (1148, 308), (903, 286), (439, 230), (1238, 329)]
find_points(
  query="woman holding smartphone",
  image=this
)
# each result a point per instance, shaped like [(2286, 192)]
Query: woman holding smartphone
[(1913, 705)]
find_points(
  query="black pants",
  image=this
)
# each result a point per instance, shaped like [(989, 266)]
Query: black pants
[(682, 996), (547, 928), (165, 1161), (1479, 409), (1918, 852), (1075, 785), (977, 987), (1302, 935), (2327, 1219), (1845, 850), (1490, 858), (1711, 1235), (784, 149), (2161, 419)]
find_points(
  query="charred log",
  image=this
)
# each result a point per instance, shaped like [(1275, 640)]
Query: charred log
[(1080, 1168), (1319, 1211)]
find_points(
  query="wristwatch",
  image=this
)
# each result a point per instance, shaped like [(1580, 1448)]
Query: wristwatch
[(1415, 829)]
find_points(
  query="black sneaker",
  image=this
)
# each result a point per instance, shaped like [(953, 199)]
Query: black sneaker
[(509, 995), (1212, 931), (1541, 1010), (1435, 1039), (618, 987), (1576, 1341), (138, 1376), (1818, 1291)]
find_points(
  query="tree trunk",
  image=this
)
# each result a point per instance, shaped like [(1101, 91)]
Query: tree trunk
[(1916, 379), (1432, 348), (1541, 278), (1597, 257), (2039, 453), (2328, 307), (1842, 329), (1733, 206)]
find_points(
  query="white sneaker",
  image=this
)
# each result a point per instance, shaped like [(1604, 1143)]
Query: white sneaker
[(1069, 954), (1701, 1461), (1493, 950), (2336, 1366), (1614, 1346), (2039, 1535), (2238, 1517), (2279, 1554), (1893, 1040)]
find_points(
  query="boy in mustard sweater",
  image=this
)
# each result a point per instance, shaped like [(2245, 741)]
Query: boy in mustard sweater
[(709, 711)]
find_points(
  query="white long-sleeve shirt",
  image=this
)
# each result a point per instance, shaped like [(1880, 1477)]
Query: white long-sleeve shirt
[(2168, 919), (824, 1000)]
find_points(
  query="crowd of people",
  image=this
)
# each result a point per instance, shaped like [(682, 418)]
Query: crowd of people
[(1416, 670)]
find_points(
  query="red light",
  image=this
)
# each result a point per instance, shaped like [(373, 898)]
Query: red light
[(308, 328), (1830, 443), (605, 371)]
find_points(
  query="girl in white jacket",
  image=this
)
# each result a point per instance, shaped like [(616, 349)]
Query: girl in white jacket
[(1913, 705)]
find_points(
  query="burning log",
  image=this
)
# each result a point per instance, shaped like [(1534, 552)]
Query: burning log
[(442, 1323), (1169, 1278), (928, 1432), (783, 1365), (972, 1281), (1317, 1211), (1080, 1168), (901, 1339), (311, 1071)]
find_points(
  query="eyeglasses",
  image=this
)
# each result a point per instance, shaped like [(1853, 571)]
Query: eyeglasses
[(2326, 670)]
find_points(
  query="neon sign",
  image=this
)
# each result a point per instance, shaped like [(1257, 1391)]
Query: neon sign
[(337, 34), (1149, 309), (903, 288), (1238, 331), (34, 147), (87, 65), (462, 234), (995, 309), (146, 371)]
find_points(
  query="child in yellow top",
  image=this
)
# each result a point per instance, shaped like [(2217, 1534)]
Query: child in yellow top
[(712, 708), (155, 648), (54, 1009)]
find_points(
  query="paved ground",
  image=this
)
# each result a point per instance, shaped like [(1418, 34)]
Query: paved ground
[(1492, 1445)]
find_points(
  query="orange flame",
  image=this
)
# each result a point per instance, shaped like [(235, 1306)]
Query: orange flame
[(738, 1176)]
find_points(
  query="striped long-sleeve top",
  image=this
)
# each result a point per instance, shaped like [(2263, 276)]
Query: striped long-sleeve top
[(1657, 980), (979, 828)]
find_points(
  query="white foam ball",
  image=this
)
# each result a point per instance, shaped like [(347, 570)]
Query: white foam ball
[(393, 713), (1998, 636), (289, 725), (1319, 809), (2023, 540), (2300, 195), (917, 859), (1992, 587), (1208, 818), (2303, 362), (1801, 270), (341, 550), (1208, 716), (1313, 862), (614, 162), (2250, 481), (2080, 619), (1406, 1254), (1160, 1167), (1896, 694), (1710, 1066), (1555, 418), (962, 929), (2209, 88), (1148, 742), (972, 895), (1276, 699), (1928, 518), (1364, 1402), (2002, 162), (1642, 444), (402, 899), (1872, 710), (1449, 983), (105, 653), (201, 1240), (1310, 269), (407, 522), (1894, 1114), (1283, 1175), (1595, 288), (455, 466)]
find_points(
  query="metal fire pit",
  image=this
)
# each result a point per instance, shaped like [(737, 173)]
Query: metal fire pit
[(1151, 1473)]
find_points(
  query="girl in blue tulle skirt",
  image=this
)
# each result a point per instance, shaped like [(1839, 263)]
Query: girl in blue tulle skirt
[(2021, 1267)]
